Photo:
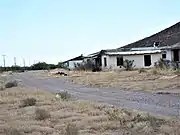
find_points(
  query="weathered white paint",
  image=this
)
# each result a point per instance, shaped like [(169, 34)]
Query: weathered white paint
[(169, 55), (71, 63), (138, 60)]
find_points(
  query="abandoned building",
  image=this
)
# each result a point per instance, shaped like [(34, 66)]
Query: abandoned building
[(145, 52), (70, 64)]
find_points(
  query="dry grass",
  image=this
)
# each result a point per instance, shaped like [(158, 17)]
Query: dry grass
[(148, 80), (28, 102), (52, 116)]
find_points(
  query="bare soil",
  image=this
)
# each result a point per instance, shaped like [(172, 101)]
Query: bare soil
[(70, 117)]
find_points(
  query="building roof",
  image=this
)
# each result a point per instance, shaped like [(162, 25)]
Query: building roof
[(81, 57), (166, 37), (134, 52)]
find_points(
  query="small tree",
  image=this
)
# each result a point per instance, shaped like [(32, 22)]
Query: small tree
[(128, 64)]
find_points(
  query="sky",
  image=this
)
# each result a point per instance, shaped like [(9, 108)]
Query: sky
[(57, 30)]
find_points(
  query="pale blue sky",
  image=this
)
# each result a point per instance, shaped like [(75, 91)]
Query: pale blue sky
[(56, 30)]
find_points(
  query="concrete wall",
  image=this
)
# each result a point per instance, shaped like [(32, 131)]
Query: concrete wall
[(71, 63), (138, 61), (111, 62), (169, 55)]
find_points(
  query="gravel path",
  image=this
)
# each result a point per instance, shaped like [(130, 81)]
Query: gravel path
[(165, 105)]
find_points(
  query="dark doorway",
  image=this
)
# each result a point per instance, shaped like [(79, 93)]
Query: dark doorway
[(105, 62), (98, 62), (147, 60), (176, 54), (119, 61), (164, 55)]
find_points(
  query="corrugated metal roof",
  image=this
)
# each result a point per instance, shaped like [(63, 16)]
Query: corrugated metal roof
[(134, 52)]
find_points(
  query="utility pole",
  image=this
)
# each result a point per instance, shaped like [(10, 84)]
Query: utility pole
[(29, 63), (24, 62), (4, 60), (15, 61)]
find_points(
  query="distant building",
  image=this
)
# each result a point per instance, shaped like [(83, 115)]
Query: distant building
[(70, 64)]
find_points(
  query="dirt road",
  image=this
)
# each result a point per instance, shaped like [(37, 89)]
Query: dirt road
[(166, 105)]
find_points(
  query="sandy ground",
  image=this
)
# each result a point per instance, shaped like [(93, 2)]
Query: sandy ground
[(74, 117), (151, 80)]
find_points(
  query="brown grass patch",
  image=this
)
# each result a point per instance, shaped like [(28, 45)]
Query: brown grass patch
[(52, 116), (143, 79)]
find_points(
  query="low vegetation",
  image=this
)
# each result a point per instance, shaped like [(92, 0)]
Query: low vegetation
[(28, 102), (11, 84), (86, 66), (128, 64), (51, 116), (137, 80), (64, 95), (71, 129), (42, 114), (142, 70)]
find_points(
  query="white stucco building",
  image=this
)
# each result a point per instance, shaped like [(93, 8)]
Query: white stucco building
[(70, 64), (142, 59), (111, 59), (145, 52)]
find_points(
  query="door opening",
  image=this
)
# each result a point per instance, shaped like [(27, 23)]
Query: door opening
[(105, 62), (176, 54), (147, 60)]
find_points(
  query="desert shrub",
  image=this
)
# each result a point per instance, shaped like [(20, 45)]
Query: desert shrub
[(154, 71), (142, 70), (166, 64), (2, 88), (71, 129), (13, 131), (162, 64), (113, 114), (28, 102), (128, 64), (177, 72), (41, 114), (64, 95), (11, 84), (175, 65), (86, 65)]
